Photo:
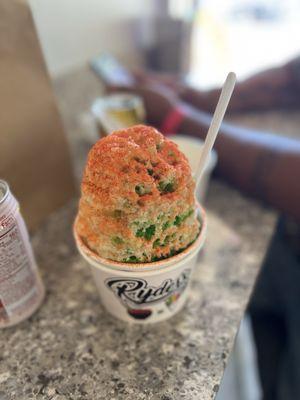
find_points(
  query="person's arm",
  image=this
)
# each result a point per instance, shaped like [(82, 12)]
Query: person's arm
[(274, 88), (261, 164), (264, 165)]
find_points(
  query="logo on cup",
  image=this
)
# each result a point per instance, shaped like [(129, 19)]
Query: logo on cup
[(136, 293)]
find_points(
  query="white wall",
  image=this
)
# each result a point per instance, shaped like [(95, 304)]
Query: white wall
[(73, 31)]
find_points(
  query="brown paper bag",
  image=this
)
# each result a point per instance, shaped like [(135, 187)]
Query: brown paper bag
[(34, 157)]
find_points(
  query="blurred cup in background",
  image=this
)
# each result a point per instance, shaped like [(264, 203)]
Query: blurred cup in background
[(192, 148)]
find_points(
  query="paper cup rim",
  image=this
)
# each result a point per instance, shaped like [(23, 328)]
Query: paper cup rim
[(102, 103), (155, 266)]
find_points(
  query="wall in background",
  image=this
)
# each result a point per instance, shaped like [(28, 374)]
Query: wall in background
[(73, 31)]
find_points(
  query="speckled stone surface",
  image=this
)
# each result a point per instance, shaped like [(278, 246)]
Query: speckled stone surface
[(72, 349)]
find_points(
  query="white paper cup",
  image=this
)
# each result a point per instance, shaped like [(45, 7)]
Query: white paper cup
[(144, 292)]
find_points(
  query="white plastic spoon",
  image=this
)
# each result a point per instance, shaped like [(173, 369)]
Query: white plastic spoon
[(215, 124)]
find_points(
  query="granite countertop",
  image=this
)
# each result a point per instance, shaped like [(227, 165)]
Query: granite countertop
[(72, 349)]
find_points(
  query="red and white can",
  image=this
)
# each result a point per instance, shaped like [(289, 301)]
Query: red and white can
[(21, 288)]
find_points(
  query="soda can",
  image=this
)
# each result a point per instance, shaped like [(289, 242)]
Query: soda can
[(21, 288)]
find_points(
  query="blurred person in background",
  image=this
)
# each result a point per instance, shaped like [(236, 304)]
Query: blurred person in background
[(263, 165)]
